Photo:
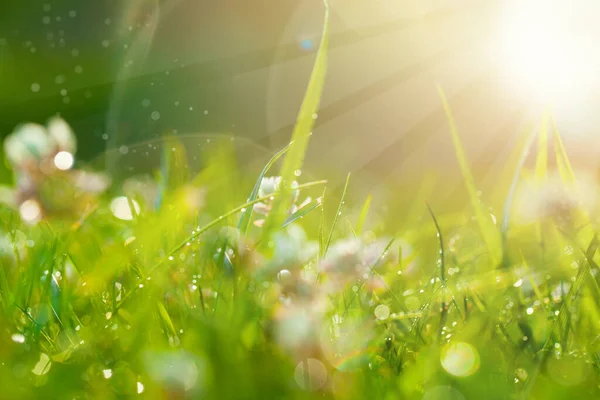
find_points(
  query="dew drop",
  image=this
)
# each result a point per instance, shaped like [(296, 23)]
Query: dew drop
[(518, 283), (382, 312), (18, 338)]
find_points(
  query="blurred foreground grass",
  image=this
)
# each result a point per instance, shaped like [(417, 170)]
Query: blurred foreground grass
[(221, 285)]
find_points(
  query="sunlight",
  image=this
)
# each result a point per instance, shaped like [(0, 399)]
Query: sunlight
[(546, 49)]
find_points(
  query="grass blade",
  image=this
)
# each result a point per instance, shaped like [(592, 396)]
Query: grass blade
[(301, 134), (441, 243), (246, 215), (564, 165), (301, 213), (174, 168), (486, 226), (515, 180), (166, 319), (362, 217), (337, 215), (541, 162)]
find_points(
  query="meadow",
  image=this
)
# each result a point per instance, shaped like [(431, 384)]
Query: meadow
[(218, 283)]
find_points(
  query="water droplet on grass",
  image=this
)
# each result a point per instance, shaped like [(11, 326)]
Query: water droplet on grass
[(382, 312), (529, 311), (518, 283), (18, 338)]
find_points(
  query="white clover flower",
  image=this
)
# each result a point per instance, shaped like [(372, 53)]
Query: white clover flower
[(349, 260), (61, 134), (42, 159), (269, 185), (32, 143), (28, 143)]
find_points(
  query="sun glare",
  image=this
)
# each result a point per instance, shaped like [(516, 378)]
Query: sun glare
[(546, 48)]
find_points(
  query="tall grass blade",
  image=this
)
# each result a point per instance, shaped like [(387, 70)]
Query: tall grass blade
[(337, 215), (541, 161), (301, 213), (301, 134), (515, 181), (564, 165), (362, 217), (581, 215), (486, 226), (174, 168)]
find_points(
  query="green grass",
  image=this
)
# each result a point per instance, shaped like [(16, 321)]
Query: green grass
[(224, 285)]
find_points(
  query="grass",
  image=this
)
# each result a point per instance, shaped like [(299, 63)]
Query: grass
[(222, 285)]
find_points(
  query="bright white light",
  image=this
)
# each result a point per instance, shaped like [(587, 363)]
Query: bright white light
[(30, 211), (547, 48), (460, 359), (120, 208), (18, 338), (63, 160)]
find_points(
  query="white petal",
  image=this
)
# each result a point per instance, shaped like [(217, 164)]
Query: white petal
[(62, 134), (35, 139), (16, 151)]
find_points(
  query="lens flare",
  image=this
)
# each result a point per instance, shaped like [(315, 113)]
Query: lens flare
[(460, 359), (121, 209)]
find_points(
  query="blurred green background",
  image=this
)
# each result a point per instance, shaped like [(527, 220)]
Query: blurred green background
[(123, 72)]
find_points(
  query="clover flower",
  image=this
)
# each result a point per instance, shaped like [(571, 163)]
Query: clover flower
[(350, 260), (555, 199), (46, 184), (268, 187)]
